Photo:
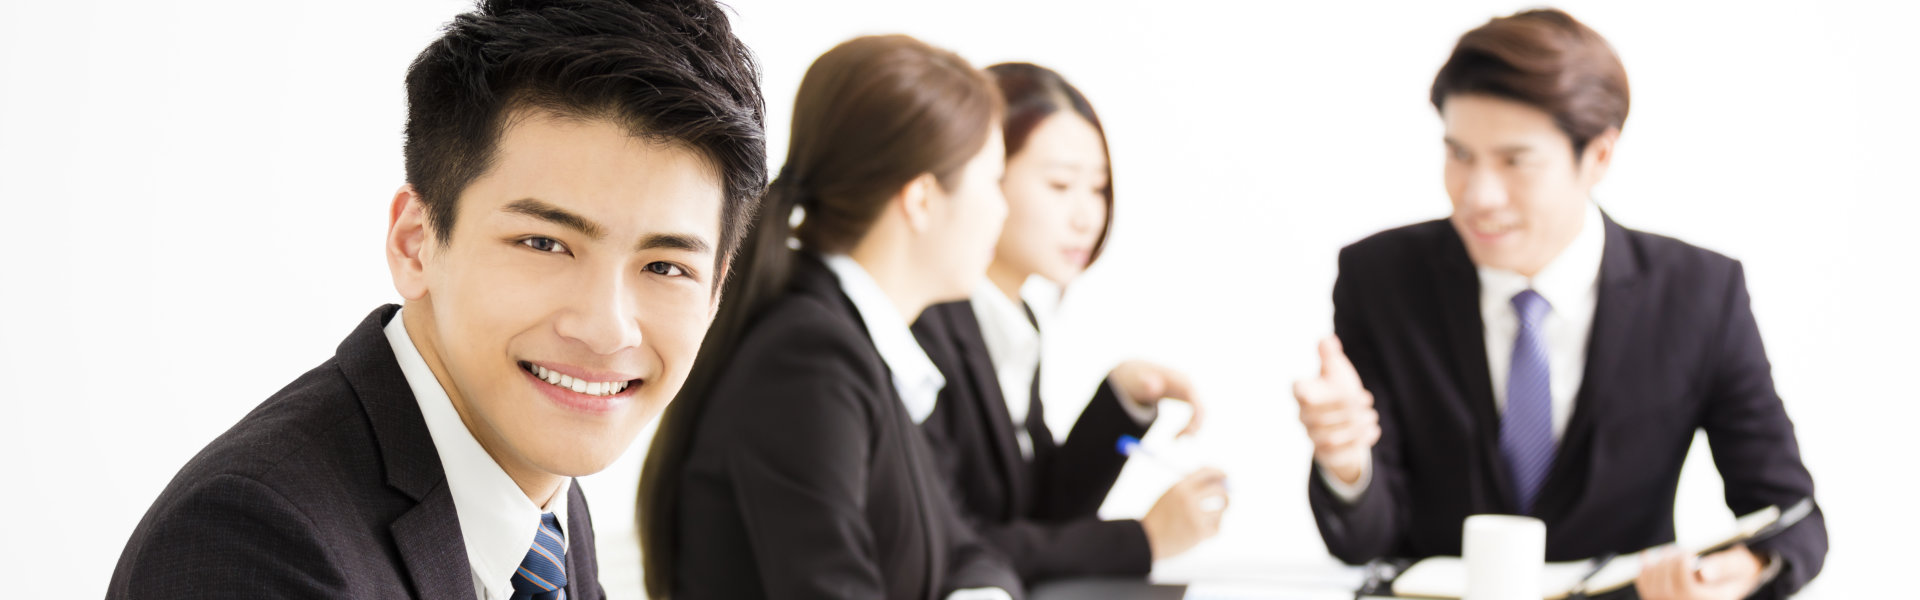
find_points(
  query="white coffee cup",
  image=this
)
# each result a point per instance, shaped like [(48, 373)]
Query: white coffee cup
[(1505, 555)]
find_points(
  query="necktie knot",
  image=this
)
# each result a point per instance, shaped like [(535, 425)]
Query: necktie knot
[(543, 574), (1531, 307)]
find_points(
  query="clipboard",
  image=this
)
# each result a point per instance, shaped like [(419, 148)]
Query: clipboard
[(1444, 577)]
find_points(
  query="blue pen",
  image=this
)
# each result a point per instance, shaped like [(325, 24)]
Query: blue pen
[(1131, 447)]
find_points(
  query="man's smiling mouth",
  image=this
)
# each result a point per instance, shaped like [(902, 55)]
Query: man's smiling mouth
[(566, 382)]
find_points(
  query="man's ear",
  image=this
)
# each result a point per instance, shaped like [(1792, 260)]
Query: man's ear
[(1598, 156), (916, 201), (408, 240)]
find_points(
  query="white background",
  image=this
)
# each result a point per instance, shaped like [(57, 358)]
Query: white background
[(194, 194)]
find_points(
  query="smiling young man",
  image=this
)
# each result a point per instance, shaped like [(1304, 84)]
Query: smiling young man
[(578, 172), (1530, 356)]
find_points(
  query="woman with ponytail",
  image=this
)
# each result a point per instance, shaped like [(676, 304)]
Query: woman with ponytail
[(791, 463)]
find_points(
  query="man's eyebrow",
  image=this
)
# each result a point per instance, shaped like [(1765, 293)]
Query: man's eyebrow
[(674, 241), (556, 215), (1509, 149), (559, 216)]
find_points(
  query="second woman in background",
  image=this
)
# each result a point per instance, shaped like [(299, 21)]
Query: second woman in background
[(1032, 498), (790, 464)]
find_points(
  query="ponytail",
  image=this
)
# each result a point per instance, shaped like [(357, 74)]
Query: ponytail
[(759, 274), (871, 115)]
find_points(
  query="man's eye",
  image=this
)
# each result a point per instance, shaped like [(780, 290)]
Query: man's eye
[(666, 269), (545, 245)]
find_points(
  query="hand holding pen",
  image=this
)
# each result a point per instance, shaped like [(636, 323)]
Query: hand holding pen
[(1189, 512)]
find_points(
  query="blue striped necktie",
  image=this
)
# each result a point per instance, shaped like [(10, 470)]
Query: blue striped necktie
[(543, 574), (1526, 428)]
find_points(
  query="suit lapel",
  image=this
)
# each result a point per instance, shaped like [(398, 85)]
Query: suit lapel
[(814, 277), (406, 447), (583, 570), (430, 543), (993, 404), (1614, 332), (1457, 285), (428, 535)]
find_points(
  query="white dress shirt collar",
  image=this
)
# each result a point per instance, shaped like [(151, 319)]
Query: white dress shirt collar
[(1567, 282), (1013, 344), (914, 375), (497, 521)]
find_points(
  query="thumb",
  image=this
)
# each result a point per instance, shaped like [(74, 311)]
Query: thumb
[(1334, 366), (1723, 565), (1707, 570)]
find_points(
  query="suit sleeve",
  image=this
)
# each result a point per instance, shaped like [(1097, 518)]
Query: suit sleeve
[(1754, 446), (1064, 535), (973, 562), (800, 468), (227, 537), (1373, 525), (1078, 474)]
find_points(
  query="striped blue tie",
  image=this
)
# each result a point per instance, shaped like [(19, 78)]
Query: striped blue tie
[(543, 574), (1526, 428)]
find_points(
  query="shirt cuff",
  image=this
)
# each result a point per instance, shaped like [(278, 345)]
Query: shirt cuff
[(1142, 415), (1348, 493), (980, 594)]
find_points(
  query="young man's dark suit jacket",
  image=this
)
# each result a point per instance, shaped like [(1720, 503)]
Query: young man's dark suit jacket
[(1674, 349), (1042, 512), (332, 488), (806, 478)]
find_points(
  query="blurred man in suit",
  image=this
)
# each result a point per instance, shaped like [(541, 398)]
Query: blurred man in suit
[(578, 172), (1530, 356)]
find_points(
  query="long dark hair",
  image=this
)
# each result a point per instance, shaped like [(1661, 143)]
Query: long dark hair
[(872, 114), (1032, 94)]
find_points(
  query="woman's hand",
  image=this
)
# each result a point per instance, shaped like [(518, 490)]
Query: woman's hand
[(1146, 384)]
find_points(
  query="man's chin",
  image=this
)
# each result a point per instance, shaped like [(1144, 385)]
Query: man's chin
[(1494, 256), (579, 464), (583, 453)]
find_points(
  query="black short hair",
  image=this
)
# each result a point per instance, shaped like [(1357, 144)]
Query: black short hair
[(667, 70)]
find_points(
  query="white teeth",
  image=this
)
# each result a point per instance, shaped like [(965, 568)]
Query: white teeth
[(582, 386)]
